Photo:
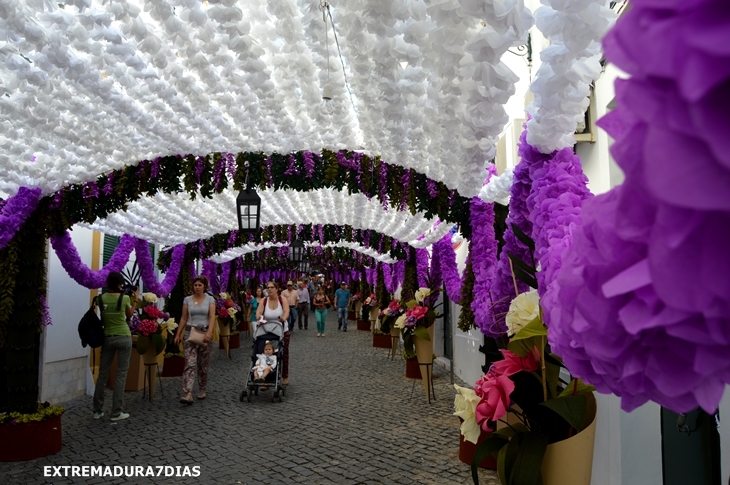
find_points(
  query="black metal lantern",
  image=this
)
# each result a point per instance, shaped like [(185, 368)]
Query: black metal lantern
[(248, 204), (296, 251), (304, 267)]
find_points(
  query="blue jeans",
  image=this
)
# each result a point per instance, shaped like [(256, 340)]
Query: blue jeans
[(342, 318), (292, 318), (121, 345)]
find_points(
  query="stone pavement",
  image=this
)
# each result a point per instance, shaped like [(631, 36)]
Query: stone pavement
[(347, 417)]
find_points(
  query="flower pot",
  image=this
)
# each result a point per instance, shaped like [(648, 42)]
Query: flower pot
[(26, 441), (424, 354), (358, 309), (234, 341), (363, 325), (381, 341), (173, 366), (149, 359), (351, 315), (224, 330), (373, 317), (570, 462), (467, 449), (413, 369), (394, 339)]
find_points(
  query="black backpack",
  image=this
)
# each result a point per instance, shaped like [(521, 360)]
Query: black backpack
[(91, 330)]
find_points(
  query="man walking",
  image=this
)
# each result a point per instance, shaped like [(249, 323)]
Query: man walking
[(292, 298), (342, 303), (304, 300)]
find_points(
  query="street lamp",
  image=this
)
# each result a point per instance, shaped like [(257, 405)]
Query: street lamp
[(248, 204), (296, 251)]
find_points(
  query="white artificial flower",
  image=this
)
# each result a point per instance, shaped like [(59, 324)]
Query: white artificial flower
[(465, 405), (401, 322), (224, 296), (421, 294), (149, 297), (171, 325), (523, 309), (232, 312)]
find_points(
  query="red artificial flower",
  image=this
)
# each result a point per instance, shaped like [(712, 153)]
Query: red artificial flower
[(228, 303), (153, 312), (417, 312), (147, 327), (223, 313), (495, 400), (513, 363)]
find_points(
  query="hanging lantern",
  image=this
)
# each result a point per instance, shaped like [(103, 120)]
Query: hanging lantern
[(248, 204), (296, 251)]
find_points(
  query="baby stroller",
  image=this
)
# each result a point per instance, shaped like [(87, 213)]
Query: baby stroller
[(272, 332)]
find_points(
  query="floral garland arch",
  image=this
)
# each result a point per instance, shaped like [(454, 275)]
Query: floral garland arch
[(286, 233), (394, 186)]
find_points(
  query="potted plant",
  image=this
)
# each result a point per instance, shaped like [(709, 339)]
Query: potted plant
[(354, 307), (388, 316), (546, 422), (174, 362), (226, 310), (151, 328), (416, 325), (234, 340), (28, 436), (470, 433)]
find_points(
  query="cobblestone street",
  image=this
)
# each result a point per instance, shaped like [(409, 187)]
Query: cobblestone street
[(347, 417)]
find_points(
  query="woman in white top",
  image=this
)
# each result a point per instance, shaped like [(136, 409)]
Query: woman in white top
[(274, 308)]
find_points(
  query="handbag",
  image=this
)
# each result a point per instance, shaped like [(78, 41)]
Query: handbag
[(196, 336)]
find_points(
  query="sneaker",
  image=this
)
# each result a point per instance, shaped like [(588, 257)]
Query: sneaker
[(98, 415), (319, 335), (322, 335), (120, 417), (339, 327), (344, 330)]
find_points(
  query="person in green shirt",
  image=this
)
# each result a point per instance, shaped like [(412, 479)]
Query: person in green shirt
[(116, 308)]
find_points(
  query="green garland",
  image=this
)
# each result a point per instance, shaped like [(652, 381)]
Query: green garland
[(285, 233), (113, 191), (466, 316), (410, 278)]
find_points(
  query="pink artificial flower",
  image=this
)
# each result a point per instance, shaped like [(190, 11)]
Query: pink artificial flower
[(223, 312), (480, 385), (495, 400), (153, 312), (394, 306), (147, 327), (513, 363), (228, 303), (418, 312)]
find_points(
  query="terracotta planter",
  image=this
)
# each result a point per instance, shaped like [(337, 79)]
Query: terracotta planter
[(27, 441), (235, 341), (413, 369), (424, 354), (173, 366), (570, 462), (351, 315), (363, 325), (467, 449), (381, 341)]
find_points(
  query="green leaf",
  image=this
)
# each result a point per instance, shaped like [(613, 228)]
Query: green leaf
[(509, 431), (143, 344), (523, 271), (529, 337), (570, 408), (524, 238), (528, 459), (577, 386), (411, 304), (490, 446), (501, 465), (422, 333)]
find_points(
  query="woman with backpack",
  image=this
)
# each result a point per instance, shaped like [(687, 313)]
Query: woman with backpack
[(274, 308), (115, 307)]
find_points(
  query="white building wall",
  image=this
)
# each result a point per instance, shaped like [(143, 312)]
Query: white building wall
[(63, 360)]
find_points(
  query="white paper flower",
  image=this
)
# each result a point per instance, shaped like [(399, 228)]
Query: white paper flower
[(401, 322), (224, 296), (171, 325), (465, 405), (149, 297), (523, 309), (421, 294), (232, 312)]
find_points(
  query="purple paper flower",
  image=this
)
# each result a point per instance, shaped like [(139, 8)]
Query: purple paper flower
[(422, 268), (432, 188), (308, 165), (147, 268), (109, 185), (90, 190), (483, 253), (444, 258), (82, 274), (199, 167), (383, 184), (45, 314), (643, 300), (15, 211)]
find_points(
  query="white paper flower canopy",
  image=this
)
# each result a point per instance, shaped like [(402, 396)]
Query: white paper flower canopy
[(175, 219)]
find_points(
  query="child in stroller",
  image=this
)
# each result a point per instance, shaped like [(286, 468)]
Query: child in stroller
[(265, 334), (265, 364)]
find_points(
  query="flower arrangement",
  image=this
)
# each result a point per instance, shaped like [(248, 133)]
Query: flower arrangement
[(226, 308), (465, 405), (45, 411), (149, 324), (420, 314), (389, 314), (526, 385), (370, 301), (355, 297)]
